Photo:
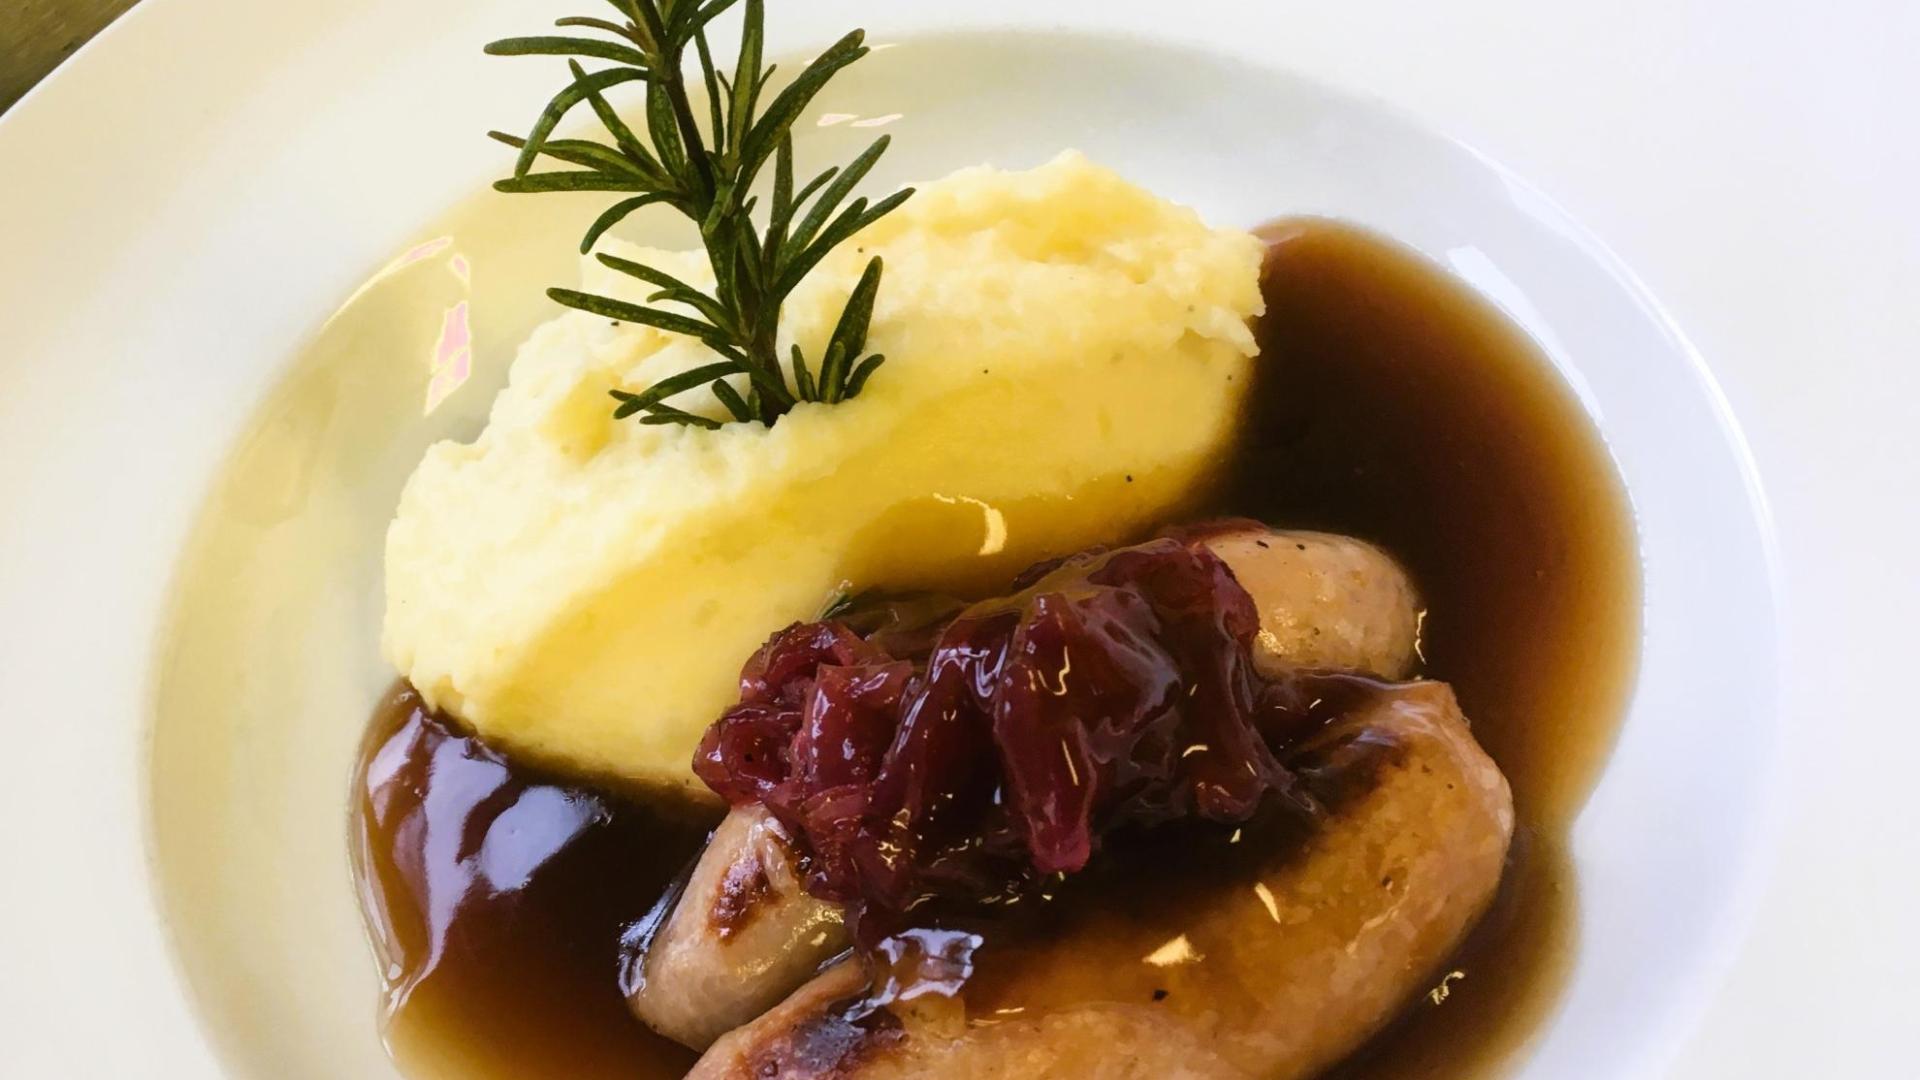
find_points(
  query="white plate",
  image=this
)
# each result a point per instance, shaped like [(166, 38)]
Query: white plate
[(191, 199)]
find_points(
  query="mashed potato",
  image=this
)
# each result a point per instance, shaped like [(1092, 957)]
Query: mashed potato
[(1066, 356)]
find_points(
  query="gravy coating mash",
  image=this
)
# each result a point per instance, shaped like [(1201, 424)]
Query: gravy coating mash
[(1066, 357)]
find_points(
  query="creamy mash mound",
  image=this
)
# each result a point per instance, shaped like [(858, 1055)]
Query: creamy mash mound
[(1066, 355)]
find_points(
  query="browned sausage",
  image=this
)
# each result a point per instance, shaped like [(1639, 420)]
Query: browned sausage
[(1325, 601), (1277, 979), (743, 934)]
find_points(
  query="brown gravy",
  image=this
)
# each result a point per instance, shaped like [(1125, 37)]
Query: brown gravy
[(500, 948), (1395, 406), (1400, 407)]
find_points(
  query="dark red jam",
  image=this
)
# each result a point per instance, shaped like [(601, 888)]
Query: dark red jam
[(1115, 689)]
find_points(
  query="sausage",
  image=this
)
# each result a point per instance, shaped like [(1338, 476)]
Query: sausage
[(1277, 980), (1325, 601), (743, 934)]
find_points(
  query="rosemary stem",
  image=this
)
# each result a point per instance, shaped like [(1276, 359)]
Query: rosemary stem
[(764, 353), (689, 128)]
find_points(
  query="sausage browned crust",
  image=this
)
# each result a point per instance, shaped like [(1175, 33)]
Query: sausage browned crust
[(743, 934)]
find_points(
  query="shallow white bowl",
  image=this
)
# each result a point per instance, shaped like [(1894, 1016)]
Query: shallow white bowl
[(266, 660)]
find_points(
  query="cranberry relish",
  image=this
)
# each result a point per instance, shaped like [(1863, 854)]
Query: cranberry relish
[(1115, 689)]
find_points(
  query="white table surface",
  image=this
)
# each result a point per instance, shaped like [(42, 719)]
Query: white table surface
[(1757, 164)]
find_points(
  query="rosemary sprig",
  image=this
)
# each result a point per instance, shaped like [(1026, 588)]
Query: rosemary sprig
[(706, 172)]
